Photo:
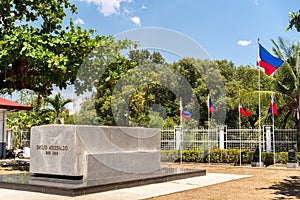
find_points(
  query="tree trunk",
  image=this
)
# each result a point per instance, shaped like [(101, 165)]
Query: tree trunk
[(298, 123), (298, 134)]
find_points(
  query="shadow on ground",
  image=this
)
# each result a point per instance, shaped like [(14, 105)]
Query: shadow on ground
[(288, 188)]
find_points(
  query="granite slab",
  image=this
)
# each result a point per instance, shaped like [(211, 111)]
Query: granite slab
[(70, 187)]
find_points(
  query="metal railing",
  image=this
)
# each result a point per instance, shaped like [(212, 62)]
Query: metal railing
[(245, 139), (204, 139)]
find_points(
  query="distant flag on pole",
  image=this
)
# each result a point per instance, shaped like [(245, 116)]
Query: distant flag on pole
[(185, 114), (211, 107), (268, 61), (273, 108), (243, 111)]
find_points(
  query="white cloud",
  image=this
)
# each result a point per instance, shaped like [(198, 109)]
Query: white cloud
[(244, 42), (136, 20), (79, 21), (144, 7), (107, 7)]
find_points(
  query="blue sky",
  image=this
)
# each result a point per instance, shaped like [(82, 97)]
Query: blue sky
[(226, 29)]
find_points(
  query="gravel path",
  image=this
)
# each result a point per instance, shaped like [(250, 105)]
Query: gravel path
[(265, 183)]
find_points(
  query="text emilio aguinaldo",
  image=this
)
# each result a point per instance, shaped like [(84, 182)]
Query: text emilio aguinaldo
[(52, 149)]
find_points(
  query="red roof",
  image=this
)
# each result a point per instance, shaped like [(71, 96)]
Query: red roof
[(12, 105)]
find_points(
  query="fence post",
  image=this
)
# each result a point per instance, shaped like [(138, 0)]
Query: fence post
[(10, 140), (221, 132), (178, 137), (268, 139), (2, 134)]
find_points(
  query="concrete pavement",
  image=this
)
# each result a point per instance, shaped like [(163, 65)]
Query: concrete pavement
[(134, 193)]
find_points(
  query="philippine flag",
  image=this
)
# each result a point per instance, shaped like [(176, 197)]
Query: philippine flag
[(185, 114), (273, 108), (268, 61), (244, 112), (210, 105)]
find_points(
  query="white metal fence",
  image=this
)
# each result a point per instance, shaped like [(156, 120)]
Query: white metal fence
[(204, 139), (17, 139), (223, 138)]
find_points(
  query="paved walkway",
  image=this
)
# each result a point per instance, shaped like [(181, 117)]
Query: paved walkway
[(133, 193)]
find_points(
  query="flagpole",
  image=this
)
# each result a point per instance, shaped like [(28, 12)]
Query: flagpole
[(180, 104), (181, 129), (273, 124), (259, 125), (208, 126), (240, 130)]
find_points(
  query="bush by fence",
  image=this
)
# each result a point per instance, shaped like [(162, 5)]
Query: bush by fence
[(223, 156)]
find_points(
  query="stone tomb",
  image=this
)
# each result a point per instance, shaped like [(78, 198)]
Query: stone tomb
[(76, 160), (92, 152)]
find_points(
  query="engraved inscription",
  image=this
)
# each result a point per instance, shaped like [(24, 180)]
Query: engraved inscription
[(52, 149), (41, 147)]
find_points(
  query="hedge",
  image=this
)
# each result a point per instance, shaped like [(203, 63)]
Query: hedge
[(223, 156)]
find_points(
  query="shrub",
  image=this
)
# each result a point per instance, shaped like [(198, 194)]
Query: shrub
[(169, 155), (222, 156), (247, 156), (267, 158), (282, 157)]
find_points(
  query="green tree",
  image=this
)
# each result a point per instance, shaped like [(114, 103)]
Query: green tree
[(152, 90), (146, 88), (246, 93), (87, 114), (57, 106), (203, 80), (105, 88), (26, 119), (287, 83), (140, 87), (40, 51), (294, 20)]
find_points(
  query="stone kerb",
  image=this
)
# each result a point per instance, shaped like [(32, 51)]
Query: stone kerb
[(93, 151)]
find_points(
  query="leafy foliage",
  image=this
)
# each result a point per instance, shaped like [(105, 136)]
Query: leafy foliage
[(231, 156), (46, 111), (147, 87), (287, 83), (57, 106), (38, 51), (139, 86), (294, 21), (87, 114)]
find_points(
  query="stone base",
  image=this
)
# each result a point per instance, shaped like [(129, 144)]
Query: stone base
[(93, 152), (67, 187), (292, 165), (256, 164), (121, 163)]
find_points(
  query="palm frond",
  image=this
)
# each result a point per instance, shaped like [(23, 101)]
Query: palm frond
[(276, 50), (252, 92), (281, 84), (259, 121), (286, 51)]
